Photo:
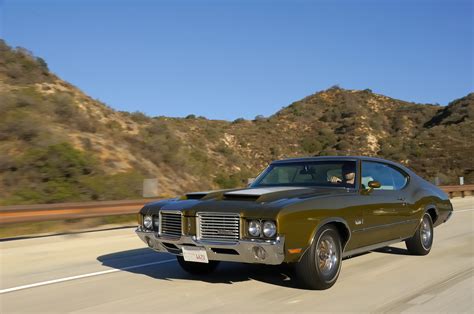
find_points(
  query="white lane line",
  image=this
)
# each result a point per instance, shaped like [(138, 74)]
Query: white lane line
[(44, 283), (463, 210)]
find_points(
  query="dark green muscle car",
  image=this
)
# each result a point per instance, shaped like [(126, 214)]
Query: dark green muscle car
[(311, 212)]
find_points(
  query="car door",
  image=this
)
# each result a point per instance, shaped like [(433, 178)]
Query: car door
[(385, 208)]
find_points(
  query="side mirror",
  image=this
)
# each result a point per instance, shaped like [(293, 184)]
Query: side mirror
[(374, 184)]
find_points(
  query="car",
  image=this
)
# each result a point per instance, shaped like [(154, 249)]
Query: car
[(309, 212)]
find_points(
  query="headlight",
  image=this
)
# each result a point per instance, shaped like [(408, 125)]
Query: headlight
[(269, 229), (148, 222), (255, 228)]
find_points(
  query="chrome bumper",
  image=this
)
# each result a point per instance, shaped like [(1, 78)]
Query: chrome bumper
[(448, 216), (243, 251)]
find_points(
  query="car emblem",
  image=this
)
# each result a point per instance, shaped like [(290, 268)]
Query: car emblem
[(359, 221), (225, 232)]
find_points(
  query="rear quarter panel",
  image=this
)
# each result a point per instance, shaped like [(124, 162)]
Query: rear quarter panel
[(429, 196)]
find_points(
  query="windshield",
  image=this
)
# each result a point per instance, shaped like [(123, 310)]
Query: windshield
[(319, 173)]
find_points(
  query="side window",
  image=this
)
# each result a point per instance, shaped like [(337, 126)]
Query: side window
[(389, 178), (399, 179)]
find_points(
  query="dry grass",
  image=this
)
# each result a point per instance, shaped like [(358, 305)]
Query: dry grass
[(65, 226)]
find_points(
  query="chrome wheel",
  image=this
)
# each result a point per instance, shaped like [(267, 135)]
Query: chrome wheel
[(426, 233), (320, 265), (326, 255), (422, 241)]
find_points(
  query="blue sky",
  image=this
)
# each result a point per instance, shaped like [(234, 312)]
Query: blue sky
[(231, 59)]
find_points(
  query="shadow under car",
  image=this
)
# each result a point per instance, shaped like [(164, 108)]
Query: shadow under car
[(227, 272)]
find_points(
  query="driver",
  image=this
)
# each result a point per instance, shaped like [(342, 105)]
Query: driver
[(348, 175)]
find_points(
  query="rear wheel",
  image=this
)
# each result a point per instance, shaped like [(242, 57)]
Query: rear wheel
[(422, 240), (319, 267), (197, 268)]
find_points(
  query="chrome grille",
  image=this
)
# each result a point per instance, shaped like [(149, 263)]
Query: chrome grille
[(218, 226), (170, 224)]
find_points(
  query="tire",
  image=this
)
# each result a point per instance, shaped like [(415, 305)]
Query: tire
[(319, 267), (422, 240), (197, 268)]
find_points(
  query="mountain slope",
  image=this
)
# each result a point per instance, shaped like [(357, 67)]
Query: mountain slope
[(58, 144)]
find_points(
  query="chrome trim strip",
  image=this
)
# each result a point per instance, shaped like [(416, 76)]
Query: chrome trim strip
[(386, 225), (449, 216), (371, 247)]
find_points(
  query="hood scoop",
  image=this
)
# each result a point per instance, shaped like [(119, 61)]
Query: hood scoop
[(206, 195), (196, 195), (265, 194), (241, 197)]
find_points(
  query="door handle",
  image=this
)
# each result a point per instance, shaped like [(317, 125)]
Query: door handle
[(401, 198)]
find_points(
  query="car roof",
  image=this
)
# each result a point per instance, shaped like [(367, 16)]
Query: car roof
[(340, 158)]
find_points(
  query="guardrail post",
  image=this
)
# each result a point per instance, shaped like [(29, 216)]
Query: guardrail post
[(461, 180), (150, 188)]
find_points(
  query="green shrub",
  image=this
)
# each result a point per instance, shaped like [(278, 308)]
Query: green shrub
[(224, 150), (311, 145), (139, 117), (234, 180), (238, 120), (21, 67), (343, 146), (128, 185), (60, 173)]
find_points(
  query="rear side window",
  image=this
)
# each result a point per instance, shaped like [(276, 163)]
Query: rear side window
[(389, 177)]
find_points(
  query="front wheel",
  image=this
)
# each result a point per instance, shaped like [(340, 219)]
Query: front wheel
[(319, 267), (422, 240), (197, 268)]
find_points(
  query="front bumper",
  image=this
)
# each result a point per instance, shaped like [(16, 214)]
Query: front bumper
[(243, 251)]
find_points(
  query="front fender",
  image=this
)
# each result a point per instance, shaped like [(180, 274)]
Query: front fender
[(300, 234)]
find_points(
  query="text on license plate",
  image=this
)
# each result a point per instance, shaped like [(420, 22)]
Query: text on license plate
[(195, 254)]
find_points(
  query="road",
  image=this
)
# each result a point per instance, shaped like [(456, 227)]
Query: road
[(111, 271)]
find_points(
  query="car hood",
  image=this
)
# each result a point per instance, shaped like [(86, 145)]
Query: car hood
[(249, 202)]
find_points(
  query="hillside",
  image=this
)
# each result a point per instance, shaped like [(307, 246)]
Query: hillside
[(58, 144)]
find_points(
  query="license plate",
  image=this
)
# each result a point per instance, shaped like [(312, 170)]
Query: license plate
[(195, 254)]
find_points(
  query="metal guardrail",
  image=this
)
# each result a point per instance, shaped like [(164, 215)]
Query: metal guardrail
[(461, 190), (50, 212)]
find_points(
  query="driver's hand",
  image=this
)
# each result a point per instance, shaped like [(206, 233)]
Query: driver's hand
[(335, 180)]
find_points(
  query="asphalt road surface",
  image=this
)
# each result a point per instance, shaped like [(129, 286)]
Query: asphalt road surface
[(112, 271)]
